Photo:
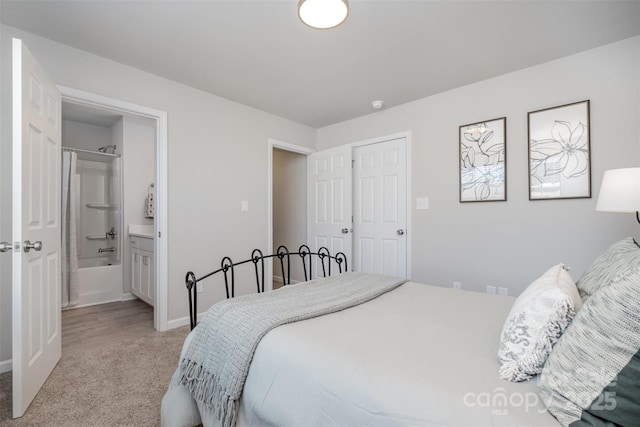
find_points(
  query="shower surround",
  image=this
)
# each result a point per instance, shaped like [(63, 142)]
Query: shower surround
[(98, 210)]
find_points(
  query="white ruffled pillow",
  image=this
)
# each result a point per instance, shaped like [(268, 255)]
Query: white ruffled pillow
[(536, 321)]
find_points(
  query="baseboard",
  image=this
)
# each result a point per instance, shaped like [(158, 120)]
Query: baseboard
[(91, 304), (183, 321), (127, 297), (6, 366), (278, 279), (177, 323)]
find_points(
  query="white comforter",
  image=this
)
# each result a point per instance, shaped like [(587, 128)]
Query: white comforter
[(418, 355)]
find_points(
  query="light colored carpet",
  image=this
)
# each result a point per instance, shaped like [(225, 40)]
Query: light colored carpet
[(120, 384)]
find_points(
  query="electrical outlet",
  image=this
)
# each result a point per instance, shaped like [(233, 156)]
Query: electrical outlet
[(491, 290), (503, 291), (199, 288), (457, 285)]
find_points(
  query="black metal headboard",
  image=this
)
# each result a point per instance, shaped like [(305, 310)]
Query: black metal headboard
[(257, 258)]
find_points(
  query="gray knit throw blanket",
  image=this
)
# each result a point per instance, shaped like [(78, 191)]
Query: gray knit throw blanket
[(216, 363)]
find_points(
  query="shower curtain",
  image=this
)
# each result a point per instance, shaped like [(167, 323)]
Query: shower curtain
[(70, 291)]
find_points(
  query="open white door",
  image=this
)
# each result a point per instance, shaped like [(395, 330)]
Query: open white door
[(329, 220), (380, 208), (36, 227)]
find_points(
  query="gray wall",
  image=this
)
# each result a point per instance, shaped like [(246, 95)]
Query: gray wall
[(289, 205), (138, 171), (212, 144), (511, 243)]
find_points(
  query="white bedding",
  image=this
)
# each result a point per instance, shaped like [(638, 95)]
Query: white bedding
[(418, 355)]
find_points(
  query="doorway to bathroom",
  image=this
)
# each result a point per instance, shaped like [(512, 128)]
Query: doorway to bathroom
[(120, 203), (107, 194)]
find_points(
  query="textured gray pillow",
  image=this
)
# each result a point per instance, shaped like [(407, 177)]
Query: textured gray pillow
[(592, 376), (618, 259)]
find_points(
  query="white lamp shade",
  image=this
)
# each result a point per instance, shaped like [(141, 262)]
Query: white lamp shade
[(323, 14), (620, 191)]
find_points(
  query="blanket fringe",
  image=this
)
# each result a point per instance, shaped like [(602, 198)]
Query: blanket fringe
[(206, 388)]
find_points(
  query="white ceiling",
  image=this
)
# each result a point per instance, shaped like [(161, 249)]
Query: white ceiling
[(258, 53)]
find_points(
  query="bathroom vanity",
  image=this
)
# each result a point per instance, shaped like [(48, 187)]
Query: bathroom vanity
[(143, 282)]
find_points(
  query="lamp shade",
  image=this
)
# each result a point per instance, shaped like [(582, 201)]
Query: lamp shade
[(323, 14), (620, 191)]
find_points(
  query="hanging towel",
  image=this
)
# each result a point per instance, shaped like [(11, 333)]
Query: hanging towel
[(149, 209)]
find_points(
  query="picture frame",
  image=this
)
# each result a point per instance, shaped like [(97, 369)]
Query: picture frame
[(560, 152), (483, 161)]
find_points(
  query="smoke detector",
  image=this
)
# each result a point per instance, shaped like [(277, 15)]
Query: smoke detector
[(377, 104)]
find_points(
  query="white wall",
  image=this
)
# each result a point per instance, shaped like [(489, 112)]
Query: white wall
[(511, 243), (84, 135), (138, 158), (217, 155)]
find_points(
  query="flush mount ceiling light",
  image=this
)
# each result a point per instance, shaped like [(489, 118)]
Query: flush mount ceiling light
[(323, 14), (377, 104)]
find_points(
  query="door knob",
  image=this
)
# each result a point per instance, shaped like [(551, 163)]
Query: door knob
[(37, 245), (4, 246), (400, 232), (345, 231)]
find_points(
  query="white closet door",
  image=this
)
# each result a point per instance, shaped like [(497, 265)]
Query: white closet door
[(380, 208), (329, 220), (36, 222)]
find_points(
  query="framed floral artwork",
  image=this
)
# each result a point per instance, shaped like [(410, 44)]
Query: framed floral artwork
[(559, 152), (483, 161)]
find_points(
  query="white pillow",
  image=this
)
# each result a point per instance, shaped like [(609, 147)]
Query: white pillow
[(536, 321)]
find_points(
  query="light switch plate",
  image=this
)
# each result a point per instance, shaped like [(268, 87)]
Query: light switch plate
[(244, 206), (422, 203)]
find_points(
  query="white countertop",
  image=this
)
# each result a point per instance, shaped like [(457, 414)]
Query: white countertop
[(142, 230)]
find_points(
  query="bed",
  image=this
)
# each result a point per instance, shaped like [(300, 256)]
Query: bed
[(415, 355)]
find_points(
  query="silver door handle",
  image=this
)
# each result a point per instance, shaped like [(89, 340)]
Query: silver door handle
[(345, 231), (400, 232), (5, 246), (37, 245)]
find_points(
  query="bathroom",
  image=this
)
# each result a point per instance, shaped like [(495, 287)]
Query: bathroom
[(110, 189)]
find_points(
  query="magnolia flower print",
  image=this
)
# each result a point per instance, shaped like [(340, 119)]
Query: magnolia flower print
[(481, 160), (566, 152)]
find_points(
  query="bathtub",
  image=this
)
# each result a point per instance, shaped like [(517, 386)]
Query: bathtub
[(100, 280), (96, 262)]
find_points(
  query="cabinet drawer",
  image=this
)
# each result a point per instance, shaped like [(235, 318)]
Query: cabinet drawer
[(142, 243)]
